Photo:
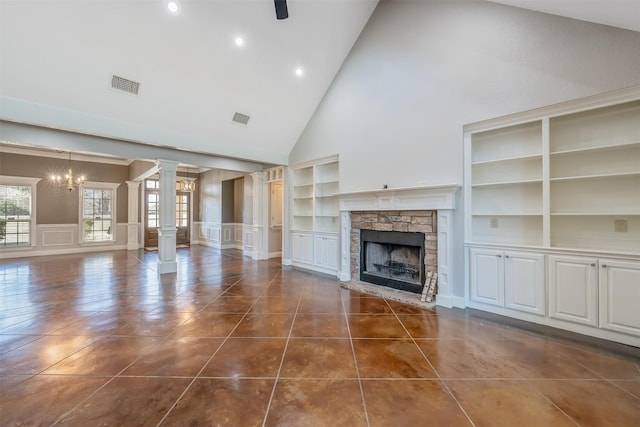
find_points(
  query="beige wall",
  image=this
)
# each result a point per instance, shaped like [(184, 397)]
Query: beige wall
[(57, 205), (138, 167)]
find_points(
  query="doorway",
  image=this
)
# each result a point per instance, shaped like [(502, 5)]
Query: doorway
[(152, 216)]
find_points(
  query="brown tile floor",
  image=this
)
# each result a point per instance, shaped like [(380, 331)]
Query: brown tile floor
[(100, 339)]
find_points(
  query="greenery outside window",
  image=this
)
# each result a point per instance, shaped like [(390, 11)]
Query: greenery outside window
[(98, 212), (17, 207)]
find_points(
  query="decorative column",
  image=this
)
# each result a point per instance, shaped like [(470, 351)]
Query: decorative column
[(132, 219), (260, 217), (167, 216), (344, 274)]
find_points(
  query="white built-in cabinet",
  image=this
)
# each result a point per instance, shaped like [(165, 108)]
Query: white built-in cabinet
[(573, 289), (619, 295), (325, 252), (509, 279), (560, 186), (302, 248), (315, 220)]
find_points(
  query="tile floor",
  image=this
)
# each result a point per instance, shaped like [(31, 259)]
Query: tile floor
[(99, 339)]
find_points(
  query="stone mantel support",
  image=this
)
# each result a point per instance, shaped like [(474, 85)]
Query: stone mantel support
[(440, 198)]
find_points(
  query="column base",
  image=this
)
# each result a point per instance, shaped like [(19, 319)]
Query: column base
[(165, 267)]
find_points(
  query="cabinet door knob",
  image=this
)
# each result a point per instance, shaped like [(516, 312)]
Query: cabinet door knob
[(499, 256), (604, 265), (506, 256), (593, 264)]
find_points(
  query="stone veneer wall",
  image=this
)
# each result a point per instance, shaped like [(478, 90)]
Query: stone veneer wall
[(410, 221)]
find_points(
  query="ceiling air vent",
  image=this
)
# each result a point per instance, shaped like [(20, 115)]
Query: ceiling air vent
[(241, 118), (125, 85)]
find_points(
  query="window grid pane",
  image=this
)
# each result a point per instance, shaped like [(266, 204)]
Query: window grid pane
[(182, 203), (15, 215), (97, 214)]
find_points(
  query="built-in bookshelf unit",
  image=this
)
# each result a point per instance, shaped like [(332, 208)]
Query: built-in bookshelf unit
[(315, 205), (315, 215), (506, 188), (561, 186)]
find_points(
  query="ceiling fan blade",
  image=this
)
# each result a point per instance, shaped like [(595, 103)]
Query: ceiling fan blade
[(281, 9)]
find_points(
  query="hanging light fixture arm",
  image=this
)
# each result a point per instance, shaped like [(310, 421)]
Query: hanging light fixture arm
[(69, 183)]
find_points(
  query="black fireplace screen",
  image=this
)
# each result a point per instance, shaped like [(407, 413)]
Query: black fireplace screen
[(394, 259)]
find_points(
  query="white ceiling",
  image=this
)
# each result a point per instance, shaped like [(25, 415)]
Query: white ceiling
[(58, 56), (617, 13)]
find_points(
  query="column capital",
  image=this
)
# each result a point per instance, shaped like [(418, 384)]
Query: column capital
[(133, 184), (167, 165)]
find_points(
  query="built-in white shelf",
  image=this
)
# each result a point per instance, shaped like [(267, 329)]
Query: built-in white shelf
[(537, 156), (315, 206), (503, 213), (556, 179), (596, 149), (497, 184), (609, 175)]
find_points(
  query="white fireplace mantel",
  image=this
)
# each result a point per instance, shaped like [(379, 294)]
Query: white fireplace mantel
[(432, 197), (440, 198)]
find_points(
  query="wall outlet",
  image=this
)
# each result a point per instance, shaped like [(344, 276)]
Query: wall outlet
[(621, 225), (494, 222)]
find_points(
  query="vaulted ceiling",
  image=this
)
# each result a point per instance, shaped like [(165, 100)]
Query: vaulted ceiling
[(58, 58)]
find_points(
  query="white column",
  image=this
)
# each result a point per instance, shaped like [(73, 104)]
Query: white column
[(445, 258), (167, 216), (260, 217), (286, 217), (344, 273), (132, 219)]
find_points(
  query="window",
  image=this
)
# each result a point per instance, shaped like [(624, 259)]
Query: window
[(98, 212), (15, 215), (153, 208), (182, 210)]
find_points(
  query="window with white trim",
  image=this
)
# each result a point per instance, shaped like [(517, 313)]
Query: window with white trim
[(15, 215), (98, 205), (17, 211)]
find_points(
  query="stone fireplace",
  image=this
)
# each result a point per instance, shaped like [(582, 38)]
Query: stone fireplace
[(422, 212), (393, 248)]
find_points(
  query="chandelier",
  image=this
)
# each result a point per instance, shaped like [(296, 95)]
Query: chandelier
[(68, 181), (187, 184)]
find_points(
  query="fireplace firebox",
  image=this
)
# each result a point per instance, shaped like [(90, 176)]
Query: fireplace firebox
[(393, 258)]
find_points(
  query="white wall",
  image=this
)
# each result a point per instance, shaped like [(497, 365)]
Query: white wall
[(422, 69)]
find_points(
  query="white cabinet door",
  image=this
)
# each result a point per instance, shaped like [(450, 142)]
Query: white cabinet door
[(302, 248), (331, 246), (573, 289), (319, 250), (620, 296), (487, 276), (325, 250), (524, 282)]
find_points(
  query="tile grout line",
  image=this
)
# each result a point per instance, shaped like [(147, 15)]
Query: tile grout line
[(284, 353), (197, 376), (160, 341), (559, 408), (355, 361), (443, 382)]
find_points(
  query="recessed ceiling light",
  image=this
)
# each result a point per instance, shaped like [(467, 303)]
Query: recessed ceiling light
[(239, 41), (173, 6), (299, 72)]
